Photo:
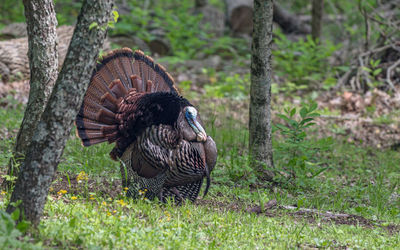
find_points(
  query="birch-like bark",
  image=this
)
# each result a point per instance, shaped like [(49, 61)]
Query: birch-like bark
[(43, 63), (50, 136), (260, 144), (316, 19)]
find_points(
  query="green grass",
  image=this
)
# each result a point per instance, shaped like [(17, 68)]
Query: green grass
[(360, 181), (148, 225)]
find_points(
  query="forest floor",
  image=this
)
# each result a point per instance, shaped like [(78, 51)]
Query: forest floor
[(354, 203)]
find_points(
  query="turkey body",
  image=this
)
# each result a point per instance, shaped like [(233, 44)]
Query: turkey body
[(158, 135)]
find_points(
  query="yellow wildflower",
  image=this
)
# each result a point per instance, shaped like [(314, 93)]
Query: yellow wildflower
[(114, 211), (3, 192), (122, 203), (61, 192), (74, 198), (92, 198), (104, 203), (108, 213), (82, 176)]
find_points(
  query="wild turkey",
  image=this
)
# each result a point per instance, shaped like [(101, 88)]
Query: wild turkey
[(158, 135)]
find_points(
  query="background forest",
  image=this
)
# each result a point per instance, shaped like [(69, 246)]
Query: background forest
[(336, 129)]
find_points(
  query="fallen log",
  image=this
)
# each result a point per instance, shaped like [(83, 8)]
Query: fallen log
[(240, 17), (214, 18), (13, 30), (14, 64)]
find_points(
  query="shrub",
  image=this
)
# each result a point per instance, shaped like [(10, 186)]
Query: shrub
[(304, 61), (297, 151)]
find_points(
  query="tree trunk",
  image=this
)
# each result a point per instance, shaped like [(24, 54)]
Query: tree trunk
[(47, 145), (316, 21), (43, 63), (260, 145)]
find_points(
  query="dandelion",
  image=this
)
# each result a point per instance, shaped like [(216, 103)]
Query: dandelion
[(91, 198), (74, 198), (62, 191), (104, 203), (168, 215), (3, 192), (122, 203), (82, 176), (114, 211), (108, 213)]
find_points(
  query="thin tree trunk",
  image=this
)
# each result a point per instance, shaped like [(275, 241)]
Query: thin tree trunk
[(50, 136), (260, 90), (43, 63), (316, 21)]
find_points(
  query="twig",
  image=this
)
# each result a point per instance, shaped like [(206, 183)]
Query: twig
[(362, 72), (366, 23), (326, 214), (347, 118), (389, 72), (376, 50), (342, 80)]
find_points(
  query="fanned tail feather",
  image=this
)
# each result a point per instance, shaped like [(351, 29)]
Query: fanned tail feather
[(119, 74)]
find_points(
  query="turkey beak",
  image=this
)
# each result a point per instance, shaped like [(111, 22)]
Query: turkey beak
[(201, 135)]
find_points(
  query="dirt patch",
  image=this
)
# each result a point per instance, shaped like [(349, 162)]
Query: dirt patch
[(75, 185), (310, 216)]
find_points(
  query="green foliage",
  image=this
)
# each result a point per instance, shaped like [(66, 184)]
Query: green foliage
[(110, 24), (299, 152), (11, 11), (226, 85), (11, 234), (303, 62), (175, 22), (373, 71), (67, 11)]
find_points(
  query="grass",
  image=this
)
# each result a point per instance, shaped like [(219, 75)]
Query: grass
[(360, 181)]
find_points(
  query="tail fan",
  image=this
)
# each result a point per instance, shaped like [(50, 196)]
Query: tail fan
[(118, 74)]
